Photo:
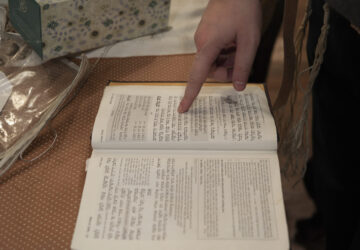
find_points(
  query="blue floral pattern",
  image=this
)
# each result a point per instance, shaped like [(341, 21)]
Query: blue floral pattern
[(77, 25)]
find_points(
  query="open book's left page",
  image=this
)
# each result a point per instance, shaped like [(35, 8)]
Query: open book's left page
[(146, 117), (196, 201)]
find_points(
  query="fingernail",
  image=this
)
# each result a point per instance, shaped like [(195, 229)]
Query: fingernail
[(239, 85)]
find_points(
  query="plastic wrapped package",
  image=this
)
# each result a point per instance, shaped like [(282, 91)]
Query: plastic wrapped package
[(31, 93)]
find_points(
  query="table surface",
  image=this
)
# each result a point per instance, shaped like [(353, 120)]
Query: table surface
[(39, 201)]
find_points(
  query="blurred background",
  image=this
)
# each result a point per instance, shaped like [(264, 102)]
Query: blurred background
[(298, 205)]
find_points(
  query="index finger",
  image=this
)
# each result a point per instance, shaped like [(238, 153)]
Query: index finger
[(204, 59)]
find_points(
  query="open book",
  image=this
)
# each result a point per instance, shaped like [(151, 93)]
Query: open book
[(207, 179)]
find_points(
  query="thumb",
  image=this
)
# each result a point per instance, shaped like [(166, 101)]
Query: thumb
[(244, 58)]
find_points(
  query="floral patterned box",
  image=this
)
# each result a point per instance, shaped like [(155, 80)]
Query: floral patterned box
[(59, 27)]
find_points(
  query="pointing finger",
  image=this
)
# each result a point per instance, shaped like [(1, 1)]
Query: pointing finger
[(198, 74)]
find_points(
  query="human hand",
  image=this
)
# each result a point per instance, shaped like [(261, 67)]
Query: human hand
[(226, 40)]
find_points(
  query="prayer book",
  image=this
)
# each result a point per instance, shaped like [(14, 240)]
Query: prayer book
[(207, 179)]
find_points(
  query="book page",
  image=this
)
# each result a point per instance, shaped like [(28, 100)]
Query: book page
[(142, 117), (182, 201)]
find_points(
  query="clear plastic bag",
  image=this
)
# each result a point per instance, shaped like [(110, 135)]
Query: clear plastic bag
[(32, 92)]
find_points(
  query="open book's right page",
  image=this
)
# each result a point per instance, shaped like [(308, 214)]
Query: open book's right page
[(146, 117)]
